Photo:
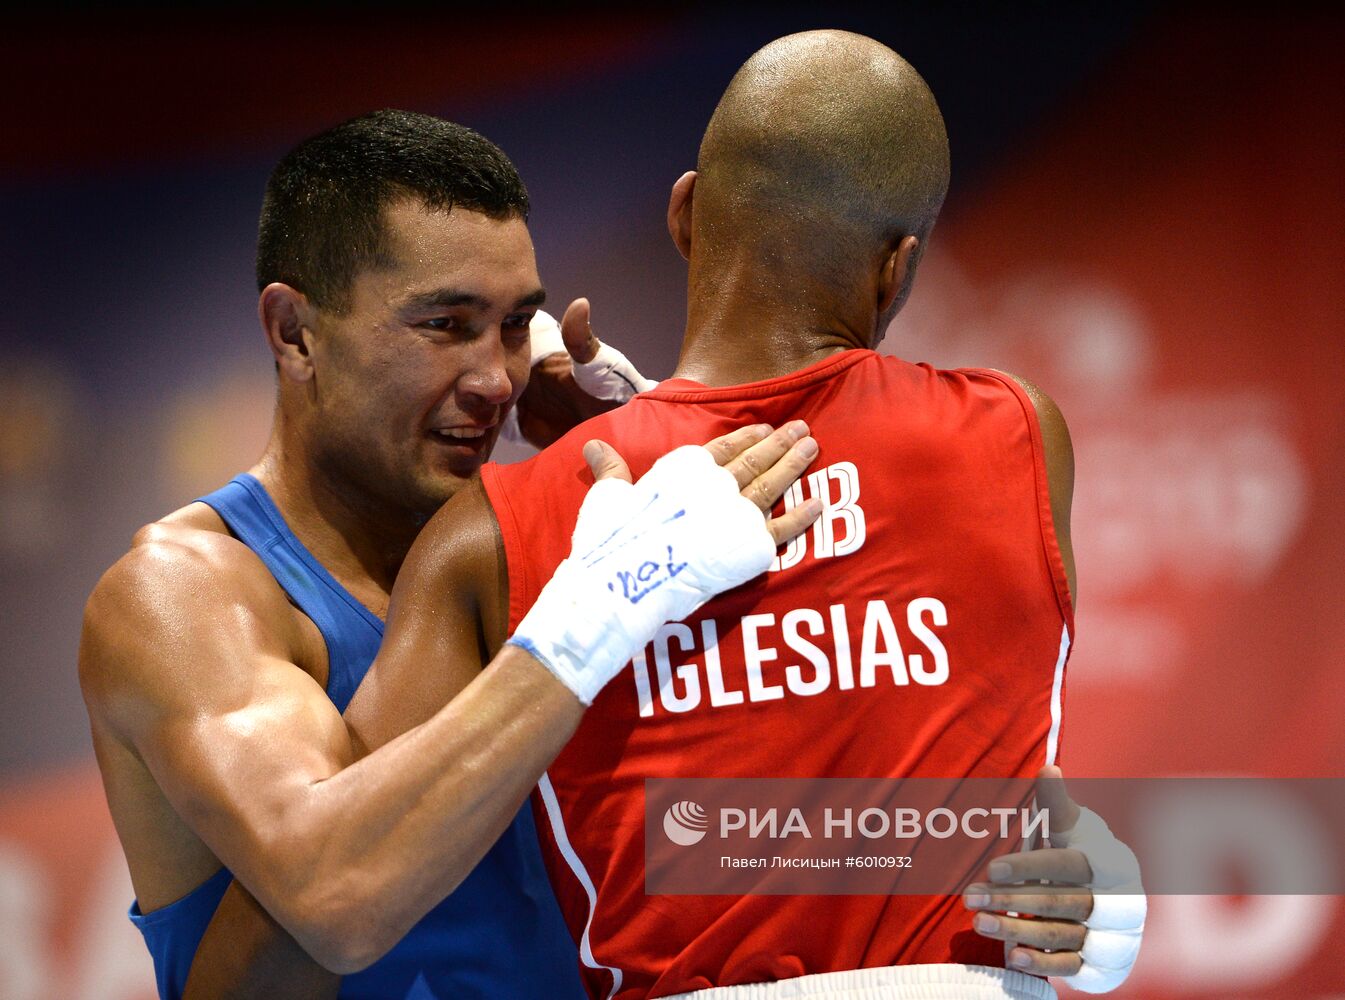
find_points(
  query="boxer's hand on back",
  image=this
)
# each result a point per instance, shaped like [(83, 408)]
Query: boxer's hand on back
[(763, 462), (697, 524)]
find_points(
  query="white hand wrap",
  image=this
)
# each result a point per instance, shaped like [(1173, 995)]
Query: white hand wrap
[(643, 555), (610, 375), (544, 337), (1116, 925)]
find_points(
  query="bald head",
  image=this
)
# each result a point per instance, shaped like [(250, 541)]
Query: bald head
[(825, 142)]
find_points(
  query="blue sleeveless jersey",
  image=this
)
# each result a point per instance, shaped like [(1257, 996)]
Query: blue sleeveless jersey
[(500, 934)]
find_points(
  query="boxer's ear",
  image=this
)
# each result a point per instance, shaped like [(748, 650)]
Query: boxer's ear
[(898, 270), (286, 315), (679, 213)]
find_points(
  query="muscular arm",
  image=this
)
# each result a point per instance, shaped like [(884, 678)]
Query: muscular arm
[(190, 669), (450, 609), (184, 660)]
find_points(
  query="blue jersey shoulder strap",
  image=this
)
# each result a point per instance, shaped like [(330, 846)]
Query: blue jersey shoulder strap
[(172, 933), (352, 632)]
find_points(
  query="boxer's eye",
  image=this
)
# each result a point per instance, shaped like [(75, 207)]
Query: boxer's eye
[(514, 332)]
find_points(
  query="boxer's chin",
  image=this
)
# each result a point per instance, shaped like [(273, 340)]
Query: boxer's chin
[(450, 464)]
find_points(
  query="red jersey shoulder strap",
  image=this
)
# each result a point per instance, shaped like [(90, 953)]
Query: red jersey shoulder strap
[(1050, 544)]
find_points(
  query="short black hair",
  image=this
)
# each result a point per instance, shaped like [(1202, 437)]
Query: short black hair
[(322, 216)]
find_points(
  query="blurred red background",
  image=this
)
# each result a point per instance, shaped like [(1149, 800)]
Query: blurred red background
[(1147, 219)]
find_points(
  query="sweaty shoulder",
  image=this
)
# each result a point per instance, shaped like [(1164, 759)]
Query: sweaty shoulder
[(456, 554), (184, 581), (451, 595)]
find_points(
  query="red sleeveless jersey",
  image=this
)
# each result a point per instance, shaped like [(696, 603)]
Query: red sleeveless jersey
[(937, 520)]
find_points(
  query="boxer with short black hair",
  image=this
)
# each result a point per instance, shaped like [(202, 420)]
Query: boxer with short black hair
[(397, 292)]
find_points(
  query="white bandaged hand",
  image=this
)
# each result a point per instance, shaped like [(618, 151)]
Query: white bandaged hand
[(544, 340), (643, 554), (1116, 925), (608, 375), (544, 337)]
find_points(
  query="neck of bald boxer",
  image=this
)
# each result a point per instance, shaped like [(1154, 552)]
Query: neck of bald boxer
[(352, 533), (750, 318)]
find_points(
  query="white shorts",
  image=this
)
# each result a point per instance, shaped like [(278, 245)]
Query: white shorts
[(896, 982)]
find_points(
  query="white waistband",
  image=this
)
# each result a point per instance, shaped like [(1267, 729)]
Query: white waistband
[(896, 982)]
